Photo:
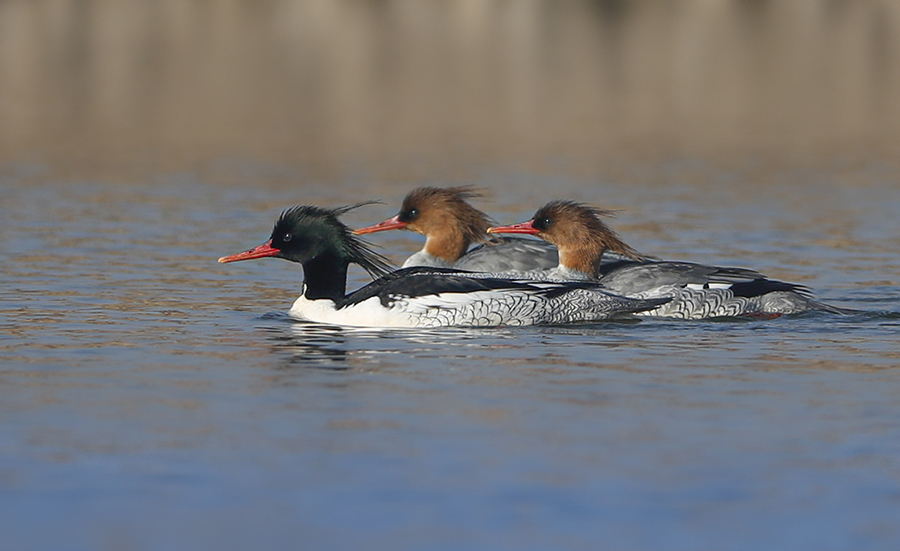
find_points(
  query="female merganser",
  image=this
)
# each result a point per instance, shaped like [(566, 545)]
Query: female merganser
[(421, 296), (697, 291), (450, 225)]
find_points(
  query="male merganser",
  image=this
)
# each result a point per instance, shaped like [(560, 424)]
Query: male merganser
[(421, 296), (450, 225), (697, 291)]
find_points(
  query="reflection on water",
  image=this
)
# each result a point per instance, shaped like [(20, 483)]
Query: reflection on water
[(311, 345), (172, 85), (317, 345)]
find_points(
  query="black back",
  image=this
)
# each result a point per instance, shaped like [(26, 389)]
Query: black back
[(424, 281)]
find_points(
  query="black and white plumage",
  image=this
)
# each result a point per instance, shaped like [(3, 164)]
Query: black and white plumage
[(419, 297), (699, 291), (451, 225), (696, 291), (442, 297)]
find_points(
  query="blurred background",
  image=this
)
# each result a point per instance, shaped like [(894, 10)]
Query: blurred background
[(405, 89)]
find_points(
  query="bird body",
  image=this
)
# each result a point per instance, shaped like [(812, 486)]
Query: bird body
[(696, 291), (420, 296)]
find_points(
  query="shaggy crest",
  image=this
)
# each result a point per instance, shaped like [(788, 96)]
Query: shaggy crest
[(580, 230), (425, 201), (353, 247)]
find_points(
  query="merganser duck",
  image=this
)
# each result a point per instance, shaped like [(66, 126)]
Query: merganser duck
[(421, 296), (697, 291), (450, 225)]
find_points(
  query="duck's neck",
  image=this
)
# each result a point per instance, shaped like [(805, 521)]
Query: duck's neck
[(449, 246), (585, 257), (585, 260), (325, 276)]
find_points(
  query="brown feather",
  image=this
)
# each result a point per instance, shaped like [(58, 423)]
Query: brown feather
[(446, 219), (580, 234)]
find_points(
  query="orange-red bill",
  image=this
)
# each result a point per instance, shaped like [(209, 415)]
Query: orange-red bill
[(262, 251), (524, 227), (389, 224)]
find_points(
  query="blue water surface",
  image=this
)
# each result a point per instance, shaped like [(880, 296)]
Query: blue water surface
[(151, 398)]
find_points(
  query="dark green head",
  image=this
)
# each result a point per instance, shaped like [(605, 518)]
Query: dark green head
[(307, 234)]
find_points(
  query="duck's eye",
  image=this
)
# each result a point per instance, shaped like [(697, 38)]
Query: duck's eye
[(287, 237), (542, 223), (409, 215), (413, 213)]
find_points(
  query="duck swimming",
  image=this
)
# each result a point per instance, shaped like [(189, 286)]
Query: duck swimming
[(451, 225), (419, 296), (697, 291)]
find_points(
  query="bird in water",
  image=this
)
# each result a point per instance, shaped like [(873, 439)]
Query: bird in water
[(419, 296), (451, 225), (696, 291)]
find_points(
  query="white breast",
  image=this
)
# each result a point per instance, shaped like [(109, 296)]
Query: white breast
[(368, 313), (478, 309)]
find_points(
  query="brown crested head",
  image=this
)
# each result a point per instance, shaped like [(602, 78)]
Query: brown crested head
[(579, 233), (444, 214)]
